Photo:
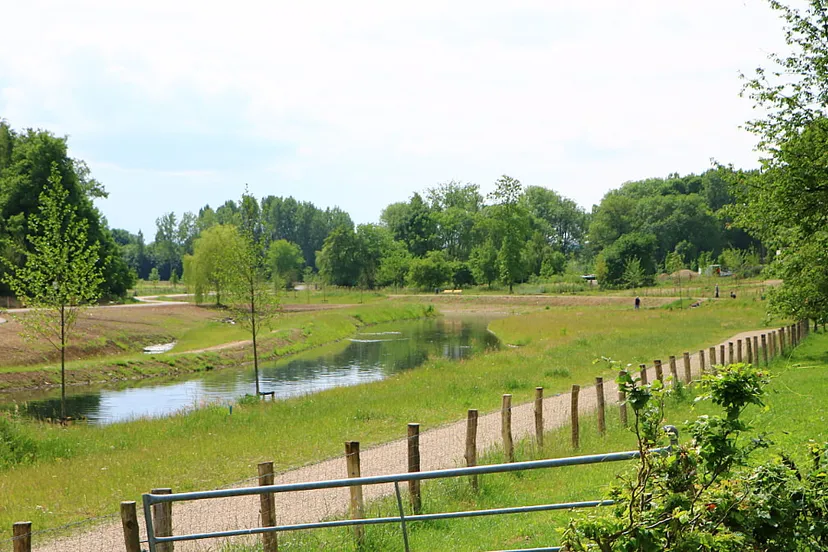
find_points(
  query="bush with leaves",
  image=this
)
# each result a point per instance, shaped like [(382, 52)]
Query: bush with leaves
[(704, 495)]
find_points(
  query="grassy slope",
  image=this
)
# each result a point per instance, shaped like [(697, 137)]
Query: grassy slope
[(315, 426), (797, 408), (289, 333)]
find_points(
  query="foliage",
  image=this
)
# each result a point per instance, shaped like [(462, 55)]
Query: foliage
[(61, 273), (251, 302), (212, 265), (704, 495), (154, 276), (611, 262), (483, 263), (285, 260), (511, 221), (633, 276), (430, 272)]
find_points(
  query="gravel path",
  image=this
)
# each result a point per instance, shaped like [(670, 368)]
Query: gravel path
[(439, 448)]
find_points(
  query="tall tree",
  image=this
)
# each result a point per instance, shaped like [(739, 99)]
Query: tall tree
[(60, 275), (212, 266), (251, 300), (786, 203), (512, 221)]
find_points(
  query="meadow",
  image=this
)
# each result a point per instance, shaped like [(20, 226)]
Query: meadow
[(57, 475), (796, 406)]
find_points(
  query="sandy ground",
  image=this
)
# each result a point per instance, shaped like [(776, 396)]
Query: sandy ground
[(439, 448)]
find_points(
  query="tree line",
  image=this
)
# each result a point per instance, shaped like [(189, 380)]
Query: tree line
[(448, 235)]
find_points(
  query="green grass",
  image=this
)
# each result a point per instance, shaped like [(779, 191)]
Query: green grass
[(796, 411), (79, 472)]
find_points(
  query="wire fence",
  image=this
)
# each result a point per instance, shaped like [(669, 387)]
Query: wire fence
[(438, 448)]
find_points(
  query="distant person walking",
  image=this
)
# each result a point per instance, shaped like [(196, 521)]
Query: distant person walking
[(637, 303), (717, 291)]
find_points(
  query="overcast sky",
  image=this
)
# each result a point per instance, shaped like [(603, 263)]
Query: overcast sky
[(359, 104)]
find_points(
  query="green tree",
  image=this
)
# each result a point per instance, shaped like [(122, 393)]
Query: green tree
[(611, 261), (512, 222), (211, 267), (394, 266), (786, 203), (633, 276), (252, 303), (483, 263), (674, 265), (429, 272), (60, 275), (154, 276), (285, 260), (338, 261)]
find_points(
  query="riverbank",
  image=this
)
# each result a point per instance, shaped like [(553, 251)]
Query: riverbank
[(204, 342), (69, 474)]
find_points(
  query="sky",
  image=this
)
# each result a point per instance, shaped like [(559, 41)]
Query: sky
[(175, 104)]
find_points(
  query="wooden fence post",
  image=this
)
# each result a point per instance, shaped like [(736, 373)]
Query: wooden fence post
[(22, 536), (622, 401), (749, 351), (471, 445), (795, 328), (722, 354), (267, 507), (765, 349), (644, 379), (688, 373), (357, 508), (658, 370), (673, 370), (601, 402), (576, 429), (506, 427), (129, 521), (702, 368), (162, 516), (756, 350), (738, 350), (712, 352), (782, 344), (539, 416), (730, 358), (772, 343), (414, 466)]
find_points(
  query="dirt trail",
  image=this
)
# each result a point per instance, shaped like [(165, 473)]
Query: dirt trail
[(440, 448)]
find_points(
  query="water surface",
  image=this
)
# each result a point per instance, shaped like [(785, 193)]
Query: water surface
[(372, 354)]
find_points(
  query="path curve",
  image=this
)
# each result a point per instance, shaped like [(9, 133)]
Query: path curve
[(440, 448)]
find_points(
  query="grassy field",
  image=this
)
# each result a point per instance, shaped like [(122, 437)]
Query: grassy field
[(67, 474), (797, 407)]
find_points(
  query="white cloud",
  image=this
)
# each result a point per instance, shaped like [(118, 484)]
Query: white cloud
[(384, 92)]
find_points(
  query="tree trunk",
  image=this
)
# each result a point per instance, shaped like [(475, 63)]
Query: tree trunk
[(253, 330), (62, 362)]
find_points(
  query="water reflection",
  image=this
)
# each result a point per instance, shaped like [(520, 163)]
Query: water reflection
[(371, 355)]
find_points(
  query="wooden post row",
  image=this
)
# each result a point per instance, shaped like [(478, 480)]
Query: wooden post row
[(162, 517), (622, 402), (539, 417), (267, 507), (600, 400), (357, 505), (506, 428), (756, 350), (414, 466), (471, 445), (576, 430), (129, 521), (22, 536)]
